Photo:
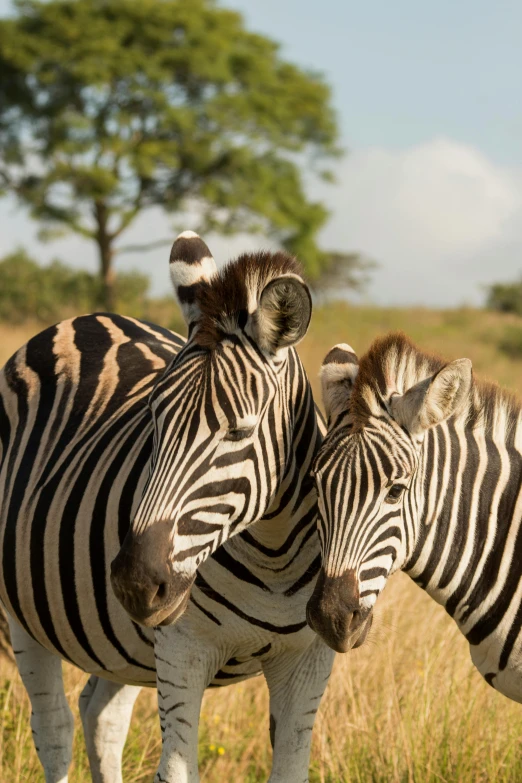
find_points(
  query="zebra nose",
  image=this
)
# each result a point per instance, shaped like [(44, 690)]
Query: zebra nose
[(142, 579), (335, 613)]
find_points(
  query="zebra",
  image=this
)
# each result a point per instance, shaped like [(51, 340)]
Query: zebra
[(120, 440), (421, 471)]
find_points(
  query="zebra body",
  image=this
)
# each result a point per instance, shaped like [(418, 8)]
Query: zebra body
[(60, 480), (79, 450), (422, 471)]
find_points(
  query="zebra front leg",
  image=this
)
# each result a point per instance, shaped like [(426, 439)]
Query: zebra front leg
[(106, 711), (296, 683), (181, 680), (51, 719)]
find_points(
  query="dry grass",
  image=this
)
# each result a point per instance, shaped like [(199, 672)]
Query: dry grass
[(12, 337), (475, 334), (406, 708)]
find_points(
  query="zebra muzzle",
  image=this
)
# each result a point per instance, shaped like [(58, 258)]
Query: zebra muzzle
[(144, 582), (335, 613)]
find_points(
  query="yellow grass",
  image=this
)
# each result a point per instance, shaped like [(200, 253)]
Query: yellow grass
[(406, 708), (12, 337)]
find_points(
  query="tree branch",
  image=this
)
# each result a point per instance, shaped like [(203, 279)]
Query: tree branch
[(143, 248)]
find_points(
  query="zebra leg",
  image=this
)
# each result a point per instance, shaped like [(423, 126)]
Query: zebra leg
[(51, 720), (106, 711), (181, 681), (296, 683)]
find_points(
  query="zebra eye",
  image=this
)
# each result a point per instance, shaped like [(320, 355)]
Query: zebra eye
[(236, 433), (394, 493)]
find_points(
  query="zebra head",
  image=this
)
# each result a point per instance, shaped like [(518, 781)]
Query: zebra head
[(369, 474), (224, 414)]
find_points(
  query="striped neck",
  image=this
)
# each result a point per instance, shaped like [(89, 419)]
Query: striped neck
[(294, 508), (469, 513)]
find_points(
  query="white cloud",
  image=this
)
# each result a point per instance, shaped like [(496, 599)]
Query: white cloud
[(440, 218)]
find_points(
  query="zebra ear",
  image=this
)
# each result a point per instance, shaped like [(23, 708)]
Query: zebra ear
[(191, 266), (435, 399), (283, 313), (338, 374)]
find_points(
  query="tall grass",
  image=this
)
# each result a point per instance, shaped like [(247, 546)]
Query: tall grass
[(406, 708)]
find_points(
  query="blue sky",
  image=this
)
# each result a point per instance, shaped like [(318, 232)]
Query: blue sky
[(429, 100), (407, 71)]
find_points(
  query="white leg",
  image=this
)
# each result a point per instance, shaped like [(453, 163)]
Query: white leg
[(51, 721), (296, 683), (106, 711), (181, 681)]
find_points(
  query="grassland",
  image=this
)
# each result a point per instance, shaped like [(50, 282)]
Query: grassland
[(406, 708)]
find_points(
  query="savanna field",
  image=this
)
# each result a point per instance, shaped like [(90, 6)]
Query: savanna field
[(406, 708)]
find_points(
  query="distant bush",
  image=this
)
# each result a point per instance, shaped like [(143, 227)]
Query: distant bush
[(505, 297), (511, 342), (165, 312), (29, 291)]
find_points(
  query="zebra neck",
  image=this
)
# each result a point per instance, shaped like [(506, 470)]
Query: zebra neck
[(294, 508), (296, 511), (469, 527)]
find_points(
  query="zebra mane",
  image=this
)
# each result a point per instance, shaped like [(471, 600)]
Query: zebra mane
[(393, 364), (233, 293)]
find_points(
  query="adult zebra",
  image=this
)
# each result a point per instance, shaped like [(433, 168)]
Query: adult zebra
[(105, 421), (421, 471)]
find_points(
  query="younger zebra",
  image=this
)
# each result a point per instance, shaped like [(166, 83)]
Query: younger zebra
[(421, 471), (113, 430)]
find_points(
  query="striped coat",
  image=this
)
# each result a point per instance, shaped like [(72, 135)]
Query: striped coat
[(80, 455), (421, 471)]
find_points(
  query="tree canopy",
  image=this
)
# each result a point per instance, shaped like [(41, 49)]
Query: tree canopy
[(108, 107)]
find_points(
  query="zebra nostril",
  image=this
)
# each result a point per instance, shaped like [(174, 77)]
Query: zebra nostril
[(160, 595), (353, 619)]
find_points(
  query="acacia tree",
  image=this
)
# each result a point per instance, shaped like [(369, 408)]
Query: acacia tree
[(109, 107)]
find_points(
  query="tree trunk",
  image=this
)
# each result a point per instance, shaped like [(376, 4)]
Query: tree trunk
[(107, 277), (106, 256)]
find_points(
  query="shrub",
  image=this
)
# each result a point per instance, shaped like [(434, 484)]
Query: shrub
[(511, 342), (505, 297), (29, 291)]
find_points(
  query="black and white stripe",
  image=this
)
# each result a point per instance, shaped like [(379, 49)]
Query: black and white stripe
[(421, 471), (114, 430)]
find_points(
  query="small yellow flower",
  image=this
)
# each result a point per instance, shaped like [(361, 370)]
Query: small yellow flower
[(221, 750), (212, 747), (217, 718)]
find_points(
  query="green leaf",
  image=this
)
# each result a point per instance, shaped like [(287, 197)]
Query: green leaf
[(108, 107)]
